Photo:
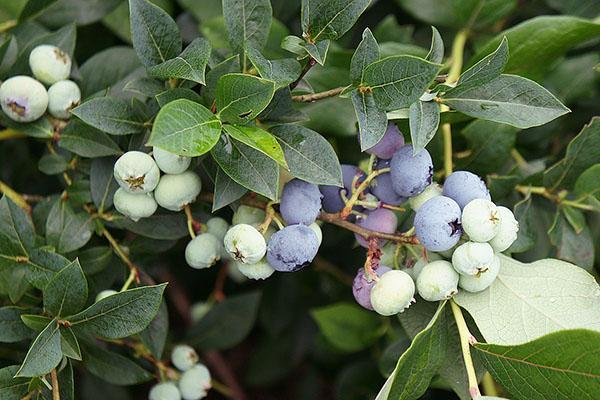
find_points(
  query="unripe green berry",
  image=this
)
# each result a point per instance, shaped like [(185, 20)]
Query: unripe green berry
[(393, 293), (49, 64), (104, 294), (480, 220), (194, 383), (481, 281), (136, 172), (134, 205), (430, 191), (259, 270), (248, 215), (184, 357), (437, 281), (245, 244), (470, 258), (199, 310), (507, 232), (170, 163), (203, 251), (218, 227), (63, 96), (175, 191), (416, 269), (23, 99), (164, 391)]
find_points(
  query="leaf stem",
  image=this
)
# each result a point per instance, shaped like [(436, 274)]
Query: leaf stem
[(466, 339), (190, 220), (55, 387), (221, 388), (15, 197), (134, 275), (359, 190), (5, 26), (559, 199), (447, 136), (458, 48), (8, 133), (308, 98)]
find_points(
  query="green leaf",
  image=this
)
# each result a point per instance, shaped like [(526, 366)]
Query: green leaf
[(86, 141), (67, 291), (489, 68), (226, 190), (52, 164), (561, 365), (436, 50), (347, 326), (109, 114), (186, 128), (12, 388), (372, 121), (66, 230), (96, 77), (190, 64), (40, 128), (281, 110), (248, 23), (120, 315), (526, 236), (539, 41), (170, 95), (572, 245), (259, 140), (8, 54), (112, 367), (33, 8), (318, 50), (247, 166), (226, 324), (283, 71), (309, 155), (82, 13), (12, 328), (155, 335), (16, 229), (330, 19), (42, 265), (154, 34), (229, 65), (95, 259), (389, 80), (581, 154), (588, 183), (102, 183), (158, 226), (69, 344), (507, 99), (366, 53), (424, 119), (44, 353), (145, 86), (545, 292), (240, 98)]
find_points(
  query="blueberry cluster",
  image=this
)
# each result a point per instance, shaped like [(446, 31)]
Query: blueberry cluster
[(194, 380), (25, 99)]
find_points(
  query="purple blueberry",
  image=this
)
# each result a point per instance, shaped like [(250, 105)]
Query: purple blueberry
[(332, 200), (300, 202), (382, 186), (292, 248), (437, 224), (362, 285), (411, 174), (380, 220), (464, 186), (391, 141)]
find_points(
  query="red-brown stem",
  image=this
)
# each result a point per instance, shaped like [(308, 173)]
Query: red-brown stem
[(218, 293), (309, 64)]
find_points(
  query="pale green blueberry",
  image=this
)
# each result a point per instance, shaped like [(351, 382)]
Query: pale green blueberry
[(259, 270), (203, 251), (430, 191), (23, 99), (437, 281), (481, 281), (184, 357), (136, 172), (170, 163), (217, 226), (134, 205), (248, 215), (104, 294), (480, 220), (63, 96), (164, 391), (392, 293), (388, 254), (175, 191), (507, 232), (471, 258), (245, 244), (416, 269), (49, 64), (199, 310), (195, 383), (317, 230)]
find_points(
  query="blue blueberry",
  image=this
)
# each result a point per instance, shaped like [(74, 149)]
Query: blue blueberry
[(411, 174), (380, 220), (437, 223), (464, 186), (382, 186), (391, 141), (292, 248), (332, 200), (300, 202)]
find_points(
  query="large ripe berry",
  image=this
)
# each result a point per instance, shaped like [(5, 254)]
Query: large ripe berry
[(300, 202), (292, 248), (437, 281), (464, 186), (393, 293), (332, 195), (23, 99), (259, 270), (170, 163), (63, 96), (136, 172), (382, 187), (203, 251), (175, 191), (194, 383), (391, 141), (245, 244), (49, 64), (363, 284), (430, 192), (184, 357), (482, 280), (471, 258), (481, 220), (380, 220), (411, 174), (438, 224), (134, 205), (507, 231)]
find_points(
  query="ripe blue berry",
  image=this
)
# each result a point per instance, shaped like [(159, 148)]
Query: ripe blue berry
[(382, 187), (203, 251), (481, 220), (63, 96), (437, 281), (482, 280), (184, 357), (49, 64), (175, 191), (363, 284), (391, 141), (23, 99), (300, 202), (245, 244), (292, 248), (437, 223), (164, 391), (194, 383), (380, 220), (170, 163), (136, 172), (393, 293), (464, 186), (411, 174), (332, 199)]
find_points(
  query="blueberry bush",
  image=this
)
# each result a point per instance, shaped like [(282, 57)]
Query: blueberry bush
[(429, 170)]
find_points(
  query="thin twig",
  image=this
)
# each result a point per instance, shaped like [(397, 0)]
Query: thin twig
[(55, 387), (309, 64), (190, 220), (15, 197), (466, 339), (134, 275), (308, 98)]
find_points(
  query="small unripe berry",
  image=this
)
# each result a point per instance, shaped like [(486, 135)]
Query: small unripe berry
[(471, 258), (164, 391), (63, 96), (104, 294), (481, 281), (507, 231), (49, 64), (203, 251), (184, 357), (437, 281), (175, 191), (194, 383), (416, 269), (23, 99), (430, 192), (393, 293), (136, 172), (363, 284), (134, 205), (245, 244), (259, 270), (480, 220), (218, 227), (248, 215), (170, 163)]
